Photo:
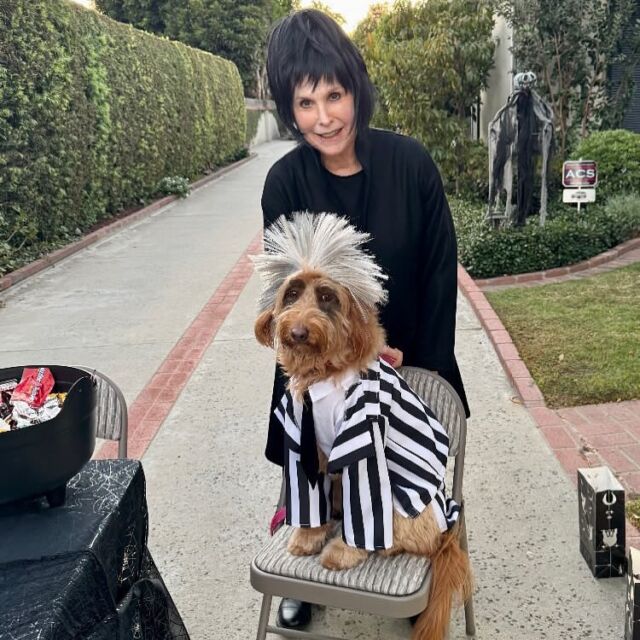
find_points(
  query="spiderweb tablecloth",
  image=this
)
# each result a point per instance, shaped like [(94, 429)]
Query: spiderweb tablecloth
[(83, 570)]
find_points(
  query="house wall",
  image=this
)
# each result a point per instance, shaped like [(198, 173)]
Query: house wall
[(501, 78)]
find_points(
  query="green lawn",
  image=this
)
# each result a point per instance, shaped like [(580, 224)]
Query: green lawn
[(579, 339)]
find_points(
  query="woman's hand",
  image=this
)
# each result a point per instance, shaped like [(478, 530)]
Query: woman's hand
[(392, 356)]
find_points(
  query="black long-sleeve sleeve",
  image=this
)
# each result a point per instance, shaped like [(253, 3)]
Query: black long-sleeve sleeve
[(437, 288), (275, 203)]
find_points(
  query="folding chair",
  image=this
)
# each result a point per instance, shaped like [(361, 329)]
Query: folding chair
[(396, 587), (112, 417)]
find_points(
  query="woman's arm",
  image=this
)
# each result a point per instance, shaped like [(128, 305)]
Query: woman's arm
[(437, 275)]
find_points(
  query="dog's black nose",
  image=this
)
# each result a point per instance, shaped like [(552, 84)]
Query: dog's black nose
[(299, 333)]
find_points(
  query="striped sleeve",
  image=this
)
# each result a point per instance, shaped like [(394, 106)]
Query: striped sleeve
[(417, 449), (367, 502), (284, 414)]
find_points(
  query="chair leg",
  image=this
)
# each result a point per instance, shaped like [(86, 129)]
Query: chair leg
[(264, 617), (469, 615)]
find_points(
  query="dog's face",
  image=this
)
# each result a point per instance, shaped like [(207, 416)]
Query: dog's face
[(317, 328)]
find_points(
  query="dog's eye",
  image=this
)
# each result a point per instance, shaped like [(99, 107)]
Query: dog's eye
[(290, 296), (327, 299)]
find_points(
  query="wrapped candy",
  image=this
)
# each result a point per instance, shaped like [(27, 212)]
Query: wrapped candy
[(30, 401), (34, 387)]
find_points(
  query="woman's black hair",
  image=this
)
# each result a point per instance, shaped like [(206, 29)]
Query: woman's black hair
[(308, 45)]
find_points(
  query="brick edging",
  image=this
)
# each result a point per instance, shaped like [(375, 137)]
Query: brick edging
[(510, 359), (548, 274), (48, 260)]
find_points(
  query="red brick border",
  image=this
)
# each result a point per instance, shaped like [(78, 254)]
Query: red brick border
[(153, 404), (552, 274), (56, 256), (564, 442)]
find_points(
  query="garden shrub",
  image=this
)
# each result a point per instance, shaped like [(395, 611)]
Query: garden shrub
[(565, 239), (617, 153), (94, 114), (474, 181), (174, 185)]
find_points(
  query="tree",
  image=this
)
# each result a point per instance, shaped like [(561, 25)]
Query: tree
[(321, 6), (429, 61), (572, 46), (233, 29)]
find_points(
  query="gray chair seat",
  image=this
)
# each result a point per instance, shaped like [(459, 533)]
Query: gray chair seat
[(400, 575)]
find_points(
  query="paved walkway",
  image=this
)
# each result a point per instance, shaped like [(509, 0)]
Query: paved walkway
[(173, 295)]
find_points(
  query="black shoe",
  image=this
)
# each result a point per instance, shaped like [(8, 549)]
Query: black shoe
[(293, 614)]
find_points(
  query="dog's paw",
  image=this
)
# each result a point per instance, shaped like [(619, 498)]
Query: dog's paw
[(308, 541), (338, 555)]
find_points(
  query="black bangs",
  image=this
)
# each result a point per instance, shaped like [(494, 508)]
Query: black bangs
[(309, 46)]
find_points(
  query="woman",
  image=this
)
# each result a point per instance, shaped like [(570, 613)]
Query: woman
[(386, 184)]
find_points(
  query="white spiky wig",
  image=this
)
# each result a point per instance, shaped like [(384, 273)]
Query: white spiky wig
[(321, 242)]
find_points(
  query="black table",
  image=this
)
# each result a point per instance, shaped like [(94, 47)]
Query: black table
[(83, 570)]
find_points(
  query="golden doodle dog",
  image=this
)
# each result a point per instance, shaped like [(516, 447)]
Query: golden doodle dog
[(357, 439)]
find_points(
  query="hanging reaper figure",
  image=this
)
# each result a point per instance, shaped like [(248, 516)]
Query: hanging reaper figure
[(522, 128)]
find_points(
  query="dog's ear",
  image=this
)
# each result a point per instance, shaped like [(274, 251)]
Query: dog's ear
[(263, 328), (365, 333)]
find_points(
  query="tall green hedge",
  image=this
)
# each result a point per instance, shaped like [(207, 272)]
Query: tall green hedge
[(93, 114)]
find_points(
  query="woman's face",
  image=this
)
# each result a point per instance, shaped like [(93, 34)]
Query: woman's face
[(326, 118)]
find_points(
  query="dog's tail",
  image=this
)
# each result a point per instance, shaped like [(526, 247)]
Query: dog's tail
[(450, 576)]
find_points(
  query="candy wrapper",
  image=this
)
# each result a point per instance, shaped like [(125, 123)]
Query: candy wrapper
[(30, 401), (34, 387), (24, 415)]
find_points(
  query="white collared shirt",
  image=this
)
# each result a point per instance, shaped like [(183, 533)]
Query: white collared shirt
[(328, 401)]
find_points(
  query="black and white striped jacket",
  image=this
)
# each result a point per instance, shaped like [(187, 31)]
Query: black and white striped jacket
[(392, 453)]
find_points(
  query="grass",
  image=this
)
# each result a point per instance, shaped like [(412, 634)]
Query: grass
[(580, 339), (632, 509)]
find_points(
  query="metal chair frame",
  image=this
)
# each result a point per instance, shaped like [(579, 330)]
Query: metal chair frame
[(112, 418), (440, 396)]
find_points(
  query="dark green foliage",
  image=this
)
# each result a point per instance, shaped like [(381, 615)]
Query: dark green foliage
[(429, 62), (565, 239), (234, 29), (572, 46), (94, 114), (617, 153)]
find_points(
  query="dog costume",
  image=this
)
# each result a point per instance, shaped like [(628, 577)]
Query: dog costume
[(392, 454)]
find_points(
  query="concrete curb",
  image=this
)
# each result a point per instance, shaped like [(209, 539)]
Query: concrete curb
[(550, 275), (14, 277), (567, 452)]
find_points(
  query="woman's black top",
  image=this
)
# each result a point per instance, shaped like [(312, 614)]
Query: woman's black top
[(402, 204)]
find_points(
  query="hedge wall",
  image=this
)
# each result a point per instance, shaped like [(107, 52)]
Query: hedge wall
[(93, 114)]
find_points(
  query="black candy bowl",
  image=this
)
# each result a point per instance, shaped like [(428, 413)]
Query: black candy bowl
[(40, 459)]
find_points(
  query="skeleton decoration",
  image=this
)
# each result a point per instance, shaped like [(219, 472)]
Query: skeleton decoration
[(522, 128), (323, 242)]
